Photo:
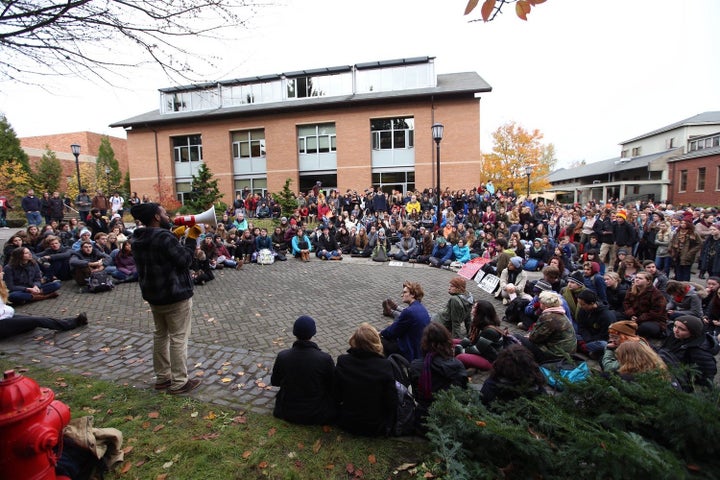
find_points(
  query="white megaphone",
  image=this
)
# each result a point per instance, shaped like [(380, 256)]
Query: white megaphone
[(206, 217)]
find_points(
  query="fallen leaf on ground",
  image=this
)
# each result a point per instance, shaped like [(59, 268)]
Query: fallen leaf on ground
[(167, 465), (194, 414), (158, 428), (272, 431), (246, 454), (154, 415), (329, 466), (317, 445), (126, 467), (239, 419), (263, 464), (372, 459), (428, 475), (128, 449), (350, 468), (162, 476), (405, 466), (98, 397), (226, 380), (210, 416)]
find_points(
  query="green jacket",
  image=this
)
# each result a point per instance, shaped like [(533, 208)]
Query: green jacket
[(456, 314), (554, 334)]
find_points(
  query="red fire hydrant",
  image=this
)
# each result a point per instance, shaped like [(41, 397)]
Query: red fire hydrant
[(31, 425)]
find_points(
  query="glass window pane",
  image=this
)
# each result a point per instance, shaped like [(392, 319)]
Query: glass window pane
[(399, 139), (385, 140), (235, 150), (244, 150), (311, 145), (255, 149)]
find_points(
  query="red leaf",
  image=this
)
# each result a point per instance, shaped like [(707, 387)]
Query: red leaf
[(158, 428), (359, 473), (272, 431), (522, 8), (471, 6), (246, 454), (263, 464), (487, 9), (350, 468), (126, 468), (372, 459), (154, 415)]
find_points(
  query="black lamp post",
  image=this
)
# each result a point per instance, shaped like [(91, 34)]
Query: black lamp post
[(528, 172), (76, 151), (437, 134), (107, 180)]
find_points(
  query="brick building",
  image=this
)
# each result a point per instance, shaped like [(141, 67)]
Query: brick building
[(89, 142), (695, 176), (349, 127)]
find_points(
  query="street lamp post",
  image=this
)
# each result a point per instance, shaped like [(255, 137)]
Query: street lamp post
[(107, 180), (528, 172), (437, 134), (76, 151)]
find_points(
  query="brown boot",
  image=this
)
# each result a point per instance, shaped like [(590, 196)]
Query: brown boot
[(247, 259), (239, 263)]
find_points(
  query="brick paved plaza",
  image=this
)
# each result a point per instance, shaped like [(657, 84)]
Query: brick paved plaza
[(241, 321)]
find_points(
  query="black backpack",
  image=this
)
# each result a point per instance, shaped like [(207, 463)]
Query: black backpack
[(99, 282), (404, 423)]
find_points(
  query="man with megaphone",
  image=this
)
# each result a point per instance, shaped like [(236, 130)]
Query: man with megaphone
[(163, 264)]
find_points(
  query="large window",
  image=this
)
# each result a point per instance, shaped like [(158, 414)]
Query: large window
[(187, 148), (263, 92), (313, 139), (256, 185), (701, 179), (319, 85), (683, 181), (387, 181), (393, 133), (248, 144)]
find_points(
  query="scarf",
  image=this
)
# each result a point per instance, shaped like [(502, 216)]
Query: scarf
[(425, 383), (679, 297)]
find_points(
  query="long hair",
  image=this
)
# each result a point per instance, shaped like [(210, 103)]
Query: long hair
[(484, 314), (367, 338), (16, 257), (437, 339), (638, 357)]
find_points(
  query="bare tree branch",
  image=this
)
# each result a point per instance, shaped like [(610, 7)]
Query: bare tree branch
[(100, 38)]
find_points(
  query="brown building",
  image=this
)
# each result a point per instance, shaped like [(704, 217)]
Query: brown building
[(89, 142), (349, 127), (695, 176)]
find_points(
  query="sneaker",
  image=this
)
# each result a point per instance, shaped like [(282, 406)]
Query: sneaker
[(189, 386), (391, 304), (82, 319), (162, 385)]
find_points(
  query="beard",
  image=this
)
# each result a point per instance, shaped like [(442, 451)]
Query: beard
[(165, 224)]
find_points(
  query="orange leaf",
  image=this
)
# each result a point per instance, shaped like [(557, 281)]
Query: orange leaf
[(535, 2), (145, 425), (301, 446), (329, 466), (522, 8), (154, 415), (162, 476), (263, 464), (327, 428), (487, 9), (158, 428), (372, 459), (317, 445), (471, 6), (126, 467), (246, 454), (350, 468), (239, 419), (272, 431), (359, 473), (128, 449), (428, 475)]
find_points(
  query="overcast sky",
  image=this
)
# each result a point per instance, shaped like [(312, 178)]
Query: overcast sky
[(587, 74)]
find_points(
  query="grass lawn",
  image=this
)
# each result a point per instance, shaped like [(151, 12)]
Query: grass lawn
[(169, 437)]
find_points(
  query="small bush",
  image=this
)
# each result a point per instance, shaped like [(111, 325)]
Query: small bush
[(603, 428)]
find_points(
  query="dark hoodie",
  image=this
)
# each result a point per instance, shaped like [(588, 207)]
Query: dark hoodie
[(698, 353), (593, 325), (444, 373), (163, 265)]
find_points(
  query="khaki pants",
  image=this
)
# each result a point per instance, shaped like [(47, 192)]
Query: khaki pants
[(170, 340), (605, 256)]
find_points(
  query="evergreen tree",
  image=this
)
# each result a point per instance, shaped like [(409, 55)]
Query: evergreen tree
[(205, 191), (107, 169), (286, 199), (47, 172), (10, 148)]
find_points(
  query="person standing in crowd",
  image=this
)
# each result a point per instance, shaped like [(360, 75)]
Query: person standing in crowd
[(4, 207), (710, 253), (163, 265), (31, 205), (117, 204), (684, 247), (100, 201), (83, 203), (404, 334), (304, 374)]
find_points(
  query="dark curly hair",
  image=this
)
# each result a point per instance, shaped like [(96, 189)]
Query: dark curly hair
[(517, 365), (437, 339)]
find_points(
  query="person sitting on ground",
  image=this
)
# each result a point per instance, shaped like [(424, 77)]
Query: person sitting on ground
[(404, 334), (637, 358), (327, 246), (200, 270), (484, 340), (245, 247), (691, 346), (593, 320), (407, 246), (123, 264), (84, 236), (461, 252), (515, 374), (16, 241), (436, 371), (575, 285), (594, 280), (55, 260), (361, 246), (381, 251), (87, 261), (684, 300), (364, 385), (660, 280), (513, 281), (24, 279), (13, 324), (618, 333), (553, 336), (301, 246), (645, 305), (425, 248), (456, 314), (615, 291), (304, 374), (441, 255)]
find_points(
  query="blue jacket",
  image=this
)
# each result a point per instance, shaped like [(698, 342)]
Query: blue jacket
[(443, 253), (461, 254), (407, 330)]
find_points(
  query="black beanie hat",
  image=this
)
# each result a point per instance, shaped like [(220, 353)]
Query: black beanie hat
[(145, 212), (304, 328)]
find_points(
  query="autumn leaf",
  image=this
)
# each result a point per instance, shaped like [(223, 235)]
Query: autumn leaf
[(145, 425), (487, 9), (405, 466), (194, 414), (350, 468), (317, 445), (327, 428), (162, 476), (535, 2), (127, 449), (329, 466), (470, 6), (263, 464), (126, 468), (272, 432), (372, 459), (246, 454), (522, 8), (301, 446), (226, 380), (158, 428), (428, 475), (359, 473), (210, 416), (154, 415), (239, 419), (98, 397)]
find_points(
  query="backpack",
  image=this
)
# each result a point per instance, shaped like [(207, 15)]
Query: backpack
[(404, 421), (557, 372), (99, 282)]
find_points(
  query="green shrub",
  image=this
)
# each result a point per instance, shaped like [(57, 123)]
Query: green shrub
[(600, 429)]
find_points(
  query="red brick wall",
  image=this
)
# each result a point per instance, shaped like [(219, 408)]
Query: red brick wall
[(710, 196), (460, 148)]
